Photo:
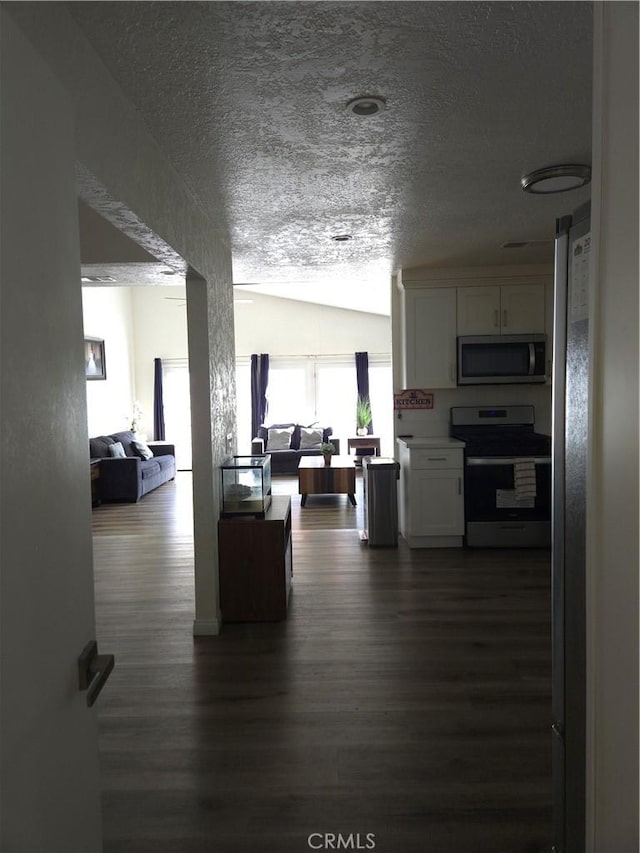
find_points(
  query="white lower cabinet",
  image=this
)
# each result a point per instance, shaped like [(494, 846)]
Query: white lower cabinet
[(431, 492)]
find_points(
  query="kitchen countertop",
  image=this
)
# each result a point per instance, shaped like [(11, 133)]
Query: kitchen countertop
[(431, 441)]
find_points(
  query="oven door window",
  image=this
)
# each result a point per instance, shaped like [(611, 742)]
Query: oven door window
[(490, 494)]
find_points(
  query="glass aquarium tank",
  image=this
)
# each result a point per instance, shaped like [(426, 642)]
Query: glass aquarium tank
[(246, 486)]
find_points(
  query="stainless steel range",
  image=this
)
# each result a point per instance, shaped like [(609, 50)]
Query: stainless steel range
[(507, 476)]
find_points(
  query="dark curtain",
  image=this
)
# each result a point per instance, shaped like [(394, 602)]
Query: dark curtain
[(259, 384), (158, 401), (264, 384), (255, 395), (362, 380)]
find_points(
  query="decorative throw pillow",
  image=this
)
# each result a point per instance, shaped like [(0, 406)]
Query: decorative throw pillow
[(117, 450), (279, 439), (143, 450), (310, 439)]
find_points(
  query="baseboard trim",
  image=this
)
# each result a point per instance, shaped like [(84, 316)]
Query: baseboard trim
[(206, 627)]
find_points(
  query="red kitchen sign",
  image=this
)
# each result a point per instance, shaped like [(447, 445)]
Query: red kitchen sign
[(413, 399)]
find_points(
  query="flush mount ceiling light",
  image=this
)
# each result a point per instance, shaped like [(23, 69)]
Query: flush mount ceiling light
[(341, 238), (556, 179), (366, 105)]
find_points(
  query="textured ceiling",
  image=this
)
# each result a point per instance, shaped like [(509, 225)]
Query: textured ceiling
[(248, 102)]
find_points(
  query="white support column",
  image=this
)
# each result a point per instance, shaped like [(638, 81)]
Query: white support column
[(205, 480)]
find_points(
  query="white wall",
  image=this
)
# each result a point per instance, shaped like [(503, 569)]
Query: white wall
[(289, 327), (125, 176), (436, 421), (49, 785), (612, 529), (159, 331), (270, 324), (107, 314), (138, 324)]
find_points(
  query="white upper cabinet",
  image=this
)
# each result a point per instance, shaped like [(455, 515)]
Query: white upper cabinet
[(509, 309), (429, 318)]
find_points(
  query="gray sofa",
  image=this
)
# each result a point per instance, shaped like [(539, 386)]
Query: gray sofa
[(286, 461), (130, 478)]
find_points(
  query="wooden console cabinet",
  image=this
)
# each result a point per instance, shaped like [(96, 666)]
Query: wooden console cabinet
[(255, 564)]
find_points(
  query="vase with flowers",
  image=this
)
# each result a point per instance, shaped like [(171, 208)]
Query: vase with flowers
[(136, 417)]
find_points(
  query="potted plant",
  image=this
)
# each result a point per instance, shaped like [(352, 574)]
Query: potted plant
[(327, 449), (363, 415)]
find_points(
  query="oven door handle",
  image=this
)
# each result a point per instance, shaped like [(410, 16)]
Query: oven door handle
[(506, 460)]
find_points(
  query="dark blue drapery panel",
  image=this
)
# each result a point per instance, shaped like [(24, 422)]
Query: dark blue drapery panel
[(255, 395), (158, 401), (259, 384), (362, 380), (264, 384)]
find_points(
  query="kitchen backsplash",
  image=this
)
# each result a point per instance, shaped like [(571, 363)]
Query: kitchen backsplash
[(435, 422)]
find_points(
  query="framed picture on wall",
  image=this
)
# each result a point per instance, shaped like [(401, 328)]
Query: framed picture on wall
[(94, 363)]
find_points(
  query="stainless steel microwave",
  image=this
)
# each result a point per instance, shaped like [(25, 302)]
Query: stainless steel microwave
[(501, 359)]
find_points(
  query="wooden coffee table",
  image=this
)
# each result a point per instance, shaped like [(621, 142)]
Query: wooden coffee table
[(316, 478)]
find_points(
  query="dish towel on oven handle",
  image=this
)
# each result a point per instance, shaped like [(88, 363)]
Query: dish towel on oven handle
[(524, 478)]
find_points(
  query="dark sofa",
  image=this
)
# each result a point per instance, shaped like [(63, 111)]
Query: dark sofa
[(286, 461), (130, 478)]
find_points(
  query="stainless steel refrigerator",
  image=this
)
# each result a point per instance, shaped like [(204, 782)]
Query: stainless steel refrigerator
[(570, 441)]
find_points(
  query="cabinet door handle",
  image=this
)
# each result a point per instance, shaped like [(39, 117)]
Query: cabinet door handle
[(452, 371), (436, 458), (496, 318), (504, 318)]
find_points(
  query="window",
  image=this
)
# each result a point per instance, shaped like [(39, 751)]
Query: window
[(336, 394), (381, 394), (288, 392), (177, 409), (243, 406), (319, 389)]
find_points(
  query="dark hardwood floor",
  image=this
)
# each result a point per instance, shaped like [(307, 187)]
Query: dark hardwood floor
[(407, 695)]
